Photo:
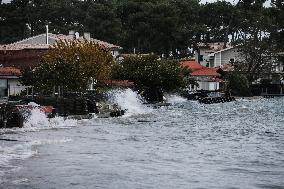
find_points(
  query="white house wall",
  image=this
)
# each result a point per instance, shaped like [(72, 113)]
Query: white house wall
[(224, 57), (208, 86), (15, 87)]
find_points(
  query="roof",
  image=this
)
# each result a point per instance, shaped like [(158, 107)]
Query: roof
[(120, 83), (213, 46), (9, 71), (226, 49), (205, 72), (192, 65), (29, 44), (15, 47), (199, 70)]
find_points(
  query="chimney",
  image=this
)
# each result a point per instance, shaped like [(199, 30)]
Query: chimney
[(47, 42), (87, 36), (72, 34)]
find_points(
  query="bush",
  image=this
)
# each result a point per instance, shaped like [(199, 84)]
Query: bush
[(151, 75), (238, 85), (70, 65)]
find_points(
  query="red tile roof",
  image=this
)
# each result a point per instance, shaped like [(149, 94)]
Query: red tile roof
[(199, 70), (205, 72), (9, 71), (192, 65)]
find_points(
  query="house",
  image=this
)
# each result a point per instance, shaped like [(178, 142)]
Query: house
[(225, 56), (205, 49), (9, 81), (28, 52), (207, 78)]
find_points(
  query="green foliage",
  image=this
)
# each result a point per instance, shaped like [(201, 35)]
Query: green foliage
[(150, 73), (70, 65), (47, 76), (238, 84), (257, 55), (161, 26)]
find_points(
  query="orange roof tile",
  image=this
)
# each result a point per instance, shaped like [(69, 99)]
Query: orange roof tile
[(192, 65), (9, 71), (205, 72)]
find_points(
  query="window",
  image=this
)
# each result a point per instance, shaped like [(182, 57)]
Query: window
[(200, 57)]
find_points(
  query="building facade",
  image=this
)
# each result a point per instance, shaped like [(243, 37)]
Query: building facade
[(206, 78), (224, 56), (9, 81), (28, 52), (204, 50)]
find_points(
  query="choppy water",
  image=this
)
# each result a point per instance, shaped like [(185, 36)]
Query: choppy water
[(187, 145)]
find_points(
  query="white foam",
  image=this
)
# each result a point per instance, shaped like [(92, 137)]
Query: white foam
[(21, 151), (38, 120), (129, 100), (175, 99), (33, 104)]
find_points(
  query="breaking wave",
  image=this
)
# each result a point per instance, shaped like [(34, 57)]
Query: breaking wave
[(38, 120), (129, 100), (175, 99)]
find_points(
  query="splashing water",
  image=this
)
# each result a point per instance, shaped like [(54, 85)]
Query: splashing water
[(129, 100), (37, 119), (175, 99)]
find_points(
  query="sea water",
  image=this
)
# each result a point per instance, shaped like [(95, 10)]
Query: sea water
[(187, 145)]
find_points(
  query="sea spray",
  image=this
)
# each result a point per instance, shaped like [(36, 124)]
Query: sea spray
[(175, 99), (37, 119), (129, 100)]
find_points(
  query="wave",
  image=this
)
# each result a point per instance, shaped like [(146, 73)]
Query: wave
[(20, 151), (129, 100)]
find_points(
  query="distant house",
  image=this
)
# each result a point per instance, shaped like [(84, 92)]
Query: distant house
[(9, 81), (225, 59), (225, 56), (28, 52), (207, 78), (204, 50)]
